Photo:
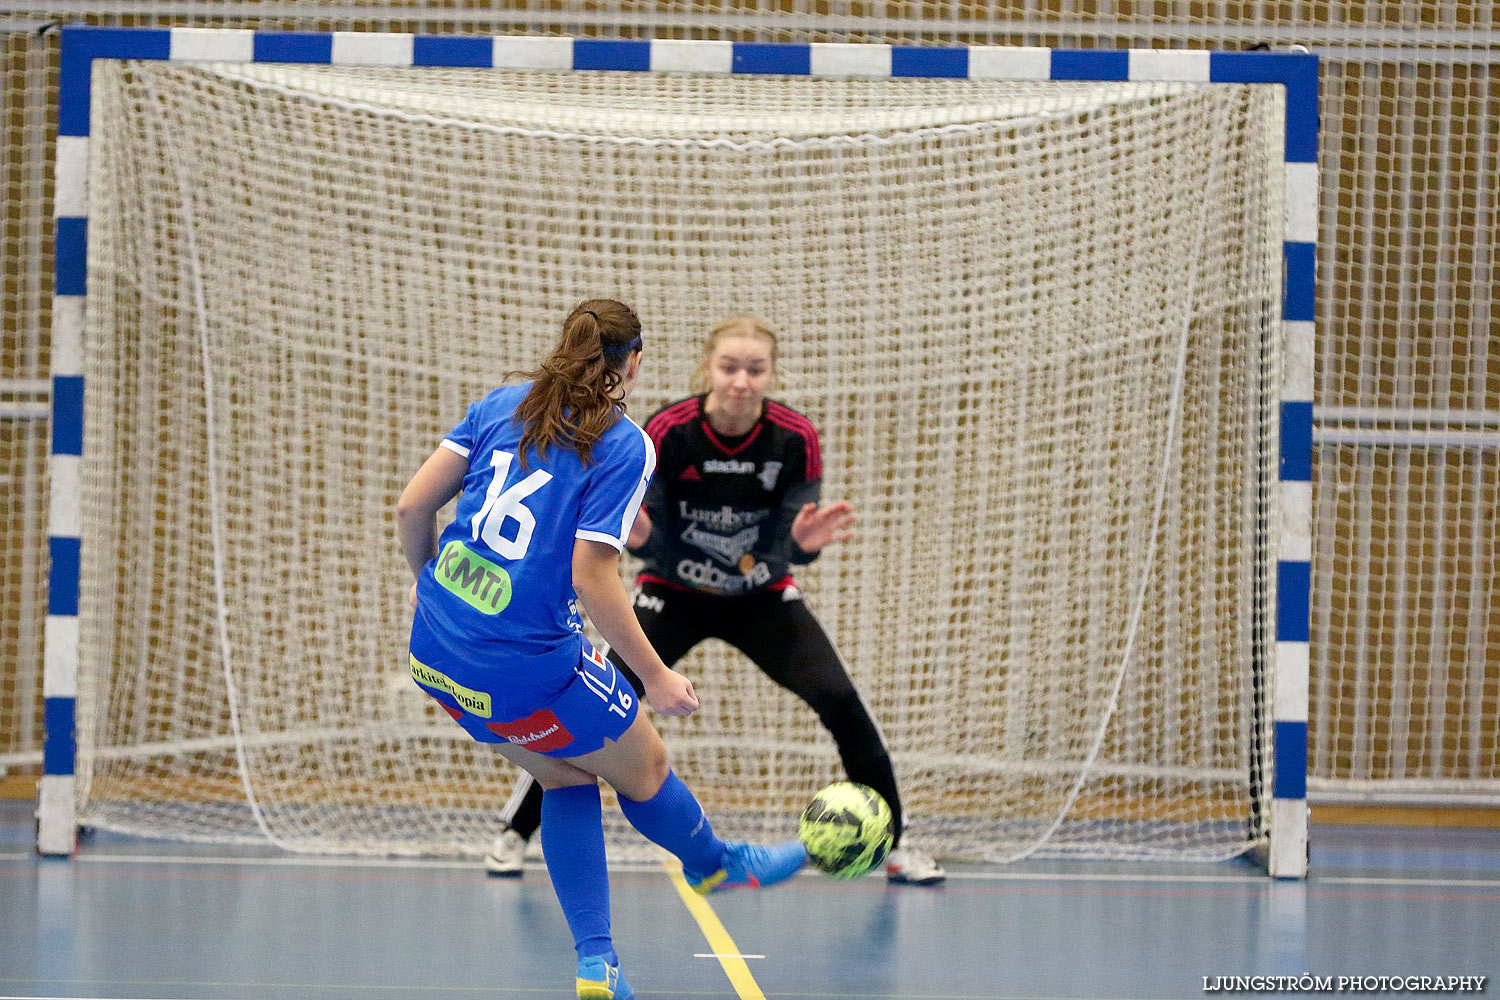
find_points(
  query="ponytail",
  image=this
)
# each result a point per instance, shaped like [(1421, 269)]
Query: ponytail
[(575, 395)]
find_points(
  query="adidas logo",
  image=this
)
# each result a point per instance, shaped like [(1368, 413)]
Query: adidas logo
[(690, 474)]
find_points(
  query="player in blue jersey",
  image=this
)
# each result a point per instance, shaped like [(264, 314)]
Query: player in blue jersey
[(549, 477), (733, 507)]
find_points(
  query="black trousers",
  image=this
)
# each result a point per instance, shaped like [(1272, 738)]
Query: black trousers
[(779, 634)]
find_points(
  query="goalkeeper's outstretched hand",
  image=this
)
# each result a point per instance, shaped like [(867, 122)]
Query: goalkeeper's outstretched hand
[(815, 527)]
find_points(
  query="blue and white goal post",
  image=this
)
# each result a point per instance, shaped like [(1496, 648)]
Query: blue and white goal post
[(1295, 73)]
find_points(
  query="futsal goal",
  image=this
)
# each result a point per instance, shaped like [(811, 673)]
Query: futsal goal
[(1034, 301)]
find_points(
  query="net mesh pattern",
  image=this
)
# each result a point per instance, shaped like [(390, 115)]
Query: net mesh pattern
[(1035, 324), (1410, 105), (25, 400)]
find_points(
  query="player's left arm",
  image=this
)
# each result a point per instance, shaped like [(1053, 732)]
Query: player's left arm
[(596, 579), (809, 527), (814, 528), (640, 532)]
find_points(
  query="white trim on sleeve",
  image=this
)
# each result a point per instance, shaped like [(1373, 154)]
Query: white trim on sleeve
[(455, 447), (648, 470), (601, 536)]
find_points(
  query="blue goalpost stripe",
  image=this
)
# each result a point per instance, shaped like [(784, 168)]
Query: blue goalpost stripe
[(771, 57), (1300, 262), (611, 54), (80, 47), (1296, 441), (58, 747), (62, 581), (70, 254), (446, 50), (922, 61), (67, 414), (1090, 64), (293, 47), (1290, 779), (1293, 586), (1298, 72)]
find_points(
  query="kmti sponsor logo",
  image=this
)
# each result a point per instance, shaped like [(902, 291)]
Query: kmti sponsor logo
[(482, 584)]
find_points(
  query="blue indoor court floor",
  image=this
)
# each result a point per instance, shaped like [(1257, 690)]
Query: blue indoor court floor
[(132, 918)]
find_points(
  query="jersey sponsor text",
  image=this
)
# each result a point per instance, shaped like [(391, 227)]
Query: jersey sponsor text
[(539, 731), (727, 549), (711, 577), (482, 584), (474, 702), (721, 518)]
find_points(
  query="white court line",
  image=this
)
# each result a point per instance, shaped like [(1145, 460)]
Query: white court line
[(317, 861), (1147, 878), (334, 861), (1313, 880), (1102, 877), (1491, 883)]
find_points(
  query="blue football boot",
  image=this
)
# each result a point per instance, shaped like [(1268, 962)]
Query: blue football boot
[(598, 980), (753, 866)]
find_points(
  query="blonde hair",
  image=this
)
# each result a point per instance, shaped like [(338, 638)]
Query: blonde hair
[(576, 392), (733, 326)]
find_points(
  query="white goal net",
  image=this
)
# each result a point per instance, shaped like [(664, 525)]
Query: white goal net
[(1036, 324)]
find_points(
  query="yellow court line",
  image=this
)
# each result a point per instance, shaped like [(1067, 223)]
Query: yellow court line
[(724, 948)]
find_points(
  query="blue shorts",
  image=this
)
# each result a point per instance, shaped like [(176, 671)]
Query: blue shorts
[(595, 705)]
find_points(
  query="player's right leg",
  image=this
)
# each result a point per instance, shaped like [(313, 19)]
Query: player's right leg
[(573, 842), (672, 631)]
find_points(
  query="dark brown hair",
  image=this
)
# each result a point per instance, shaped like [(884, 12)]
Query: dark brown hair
[(575, 396)]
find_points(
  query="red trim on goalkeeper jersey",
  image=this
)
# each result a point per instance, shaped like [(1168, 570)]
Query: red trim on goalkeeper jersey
[(785, 583), (785, 416)]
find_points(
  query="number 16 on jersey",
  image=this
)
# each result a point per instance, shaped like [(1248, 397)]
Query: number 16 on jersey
[(501, 504), (604, 680)]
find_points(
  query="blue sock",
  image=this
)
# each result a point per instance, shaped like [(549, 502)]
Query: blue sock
[(673, 819), (573, 843)]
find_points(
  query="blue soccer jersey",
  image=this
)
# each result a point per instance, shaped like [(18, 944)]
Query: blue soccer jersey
[(499, 596)]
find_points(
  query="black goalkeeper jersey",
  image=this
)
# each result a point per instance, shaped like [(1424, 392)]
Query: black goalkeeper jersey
[(722, 508)]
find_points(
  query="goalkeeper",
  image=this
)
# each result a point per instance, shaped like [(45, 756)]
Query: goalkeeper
[(733, 506)]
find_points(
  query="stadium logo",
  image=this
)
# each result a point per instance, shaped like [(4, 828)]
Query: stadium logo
[(727, 465)]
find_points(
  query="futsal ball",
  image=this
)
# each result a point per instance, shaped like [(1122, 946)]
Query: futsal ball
[(847, 829)]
